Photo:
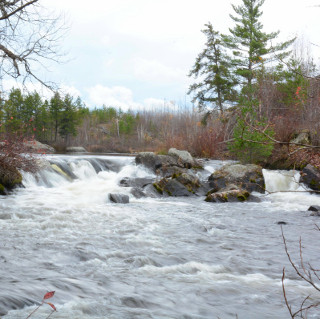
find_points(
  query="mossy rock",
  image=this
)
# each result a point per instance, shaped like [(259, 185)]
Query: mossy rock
[(10, 178)]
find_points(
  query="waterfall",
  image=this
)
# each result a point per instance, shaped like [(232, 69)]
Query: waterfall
[(282, 181)]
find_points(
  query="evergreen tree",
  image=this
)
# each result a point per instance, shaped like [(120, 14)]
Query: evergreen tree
[(55, 109), (252, 51), (213, 67), (68, 120), (12, 111), (250, 44)]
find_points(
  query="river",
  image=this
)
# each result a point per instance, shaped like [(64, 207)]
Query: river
[(179, 258)]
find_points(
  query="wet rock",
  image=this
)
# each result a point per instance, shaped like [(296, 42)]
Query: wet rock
[(247, 177), (314, 208), (76, 149), (172, 187), (119, 198), (9, 179), (149, 160), (138, 192), (228, 194), (184, 158), (167, 165), (135, 182), (310, 176)]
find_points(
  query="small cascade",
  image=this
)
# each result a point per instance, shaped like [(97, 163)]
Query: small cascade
[(282, 181)]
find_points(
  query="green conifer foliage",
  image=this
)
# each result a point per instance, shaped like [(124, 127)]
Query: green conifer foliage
[(213, 67)]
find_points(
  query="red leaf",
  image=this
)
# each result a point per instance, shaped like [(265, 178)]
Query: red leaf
[(48, 295), (52, 306)]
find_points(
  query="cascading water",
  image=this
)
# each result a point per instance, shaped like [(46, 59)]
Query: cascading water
[(151, 258)]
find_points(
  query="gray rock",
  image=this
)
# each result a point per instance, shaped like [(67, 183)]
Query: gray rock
[(229, 194), (184, 157), (310, 176), (39, 147), (149, 160), (75, 149), (135, 182), (119, 198), (172, 187), (302, 138), (247, 177), (314, 208)]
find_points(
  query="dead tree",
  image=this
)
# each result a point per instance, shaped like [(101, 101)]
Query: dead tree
[(29, 38)]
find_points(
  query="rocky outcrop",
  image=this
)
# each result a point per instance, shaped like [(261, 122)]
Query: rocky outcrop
[(38, 147), (231, 193), (246, 177), (76, 149), (9, 179), (184, 158), (302, 138), (119, 198), (310, 176), (167, 165)]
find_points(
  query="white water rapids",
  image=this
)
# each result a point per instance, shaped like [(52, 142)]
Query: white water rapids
[(178, 258)]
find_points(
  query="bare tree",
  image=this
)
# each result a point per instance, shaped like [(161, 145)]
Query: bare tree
[(309, 275), (29, 39)]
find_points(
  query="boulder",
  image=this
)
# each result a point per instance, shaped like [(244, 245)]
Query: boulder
[(171, 187), (39, 147), (232, 193), (119, 198), (9, 179), (189, 180), (310, 176), (246, 177), (149, 160), (76, 149), (139, 182), (302, 138), (167, 165), (314, 208), (184, 158)]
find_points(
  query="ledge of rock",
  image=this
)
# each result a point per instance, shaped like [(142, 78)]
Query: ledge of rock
[(247, 177), (310, 176), (228, 194), (9, 179), (39, 147), (76, 149), (119, 198)]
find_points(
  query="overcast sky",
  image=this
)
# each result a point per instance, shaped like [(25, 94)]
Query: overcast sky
[(137, 53)]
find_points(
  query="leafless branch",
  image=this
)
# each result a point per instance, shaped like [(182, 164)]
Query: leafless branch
[(305, 275)]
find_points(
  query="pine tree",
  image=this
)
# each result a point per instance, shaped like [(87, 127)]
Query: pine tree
[(252, 51), (250, 44), (68, 120), (213, 66), (55, 108)]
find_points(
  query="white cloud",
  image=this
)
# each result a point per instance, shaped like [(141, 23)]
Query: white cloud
[(116, 96), (157, 72), (158, 104)]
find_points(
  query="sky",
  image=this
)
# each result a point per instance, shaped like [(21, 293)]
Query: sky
[(137, 54)]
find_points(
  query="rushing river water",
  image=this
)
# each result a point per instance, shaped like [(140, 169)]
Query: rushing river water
[(152, 258)]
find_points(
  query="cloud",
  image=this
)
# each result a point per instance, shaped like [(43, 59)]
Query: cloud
[(157, 72), (158, 104), (116, 96), (122, 97)]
